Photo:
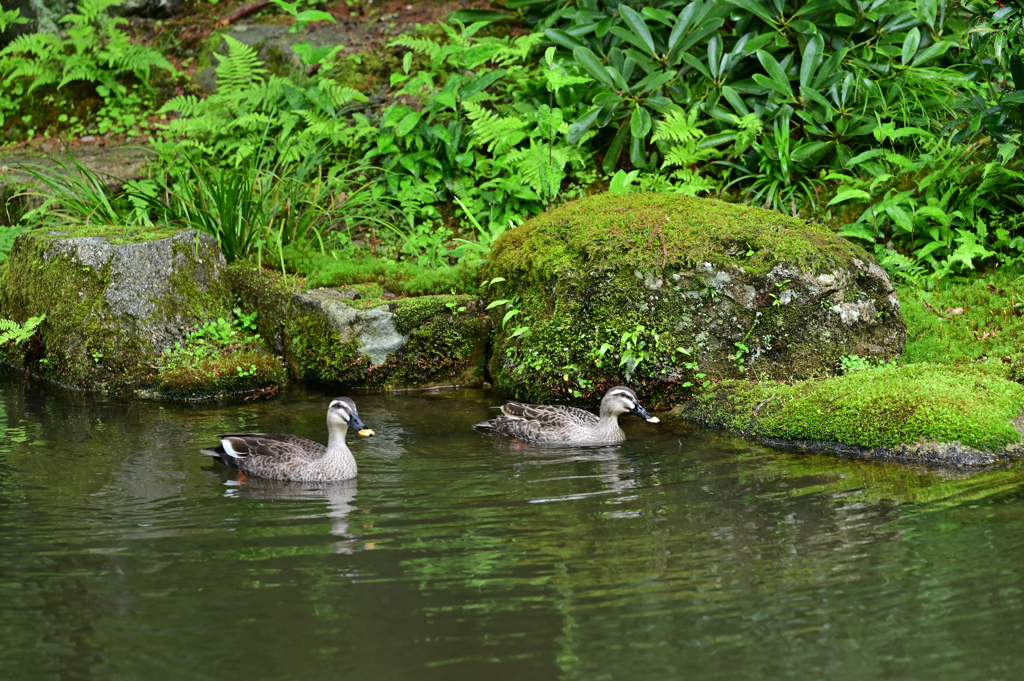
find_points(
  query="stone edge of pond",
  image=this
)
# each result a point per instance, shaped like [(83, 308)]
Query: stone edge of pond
[(360, 337), (966, 418)]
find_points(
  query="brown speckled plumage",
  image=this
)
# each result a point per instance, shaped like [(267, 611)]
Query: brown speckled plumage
[(294, 458), (556, 424)]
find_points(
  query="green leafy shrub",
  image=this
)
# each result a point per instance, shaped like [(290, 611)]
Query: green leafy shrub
[(96, 74)]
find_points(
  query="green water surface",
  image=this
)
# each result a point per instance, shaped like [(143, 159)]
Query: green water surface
[(682, 554)]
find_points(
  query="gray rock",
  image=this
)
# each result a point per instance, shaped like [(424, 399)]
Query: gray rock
[(112, 308), (373, 330), (678, 291), (149, 9), (43, 16), (355, 337)]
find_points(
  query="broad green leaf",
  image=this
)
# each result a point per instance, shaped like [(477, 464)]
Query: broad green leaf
[(848, 193), (808, 149), (639, 123), (756, 7), (562, 38), (406, 125), (630, 37), (480, 84), (857, 230), (469, 16), (811, 59), (775, 72), (611, 157), (637, 152), (930, 52), (638, 26), (844, 20), (697, 64), (593, 66), (581, 125), (910, 44), (478, 54)]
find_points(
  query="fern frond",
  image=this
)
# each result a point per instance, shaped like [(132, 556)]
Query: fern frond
[(678, 126), (499, 133), (424, 46), (240, 68)]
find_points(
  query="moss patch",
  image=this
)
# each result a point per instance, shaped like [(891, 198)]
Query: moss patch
[(887, 407), (231, 372), (620, 230), (401, 278), (966, 321)]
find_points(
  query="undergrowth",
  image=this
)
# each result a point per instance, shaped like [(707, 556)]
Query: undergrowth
[(219, 357)]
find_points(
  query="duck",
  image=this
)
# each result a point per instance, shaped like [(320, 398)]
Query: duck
[(557, 424), (292, 458)]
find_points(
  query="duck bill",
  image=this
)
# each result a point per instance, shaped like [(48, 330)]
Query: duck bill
[(642, 413), (360, 427)]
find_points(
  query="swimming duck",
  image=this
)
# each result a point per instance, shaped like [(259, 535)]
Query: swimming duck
[(556, 424), (294, 458)]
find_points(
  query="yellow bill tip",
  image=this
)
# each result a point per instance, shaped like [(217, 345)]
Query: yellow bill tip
[(654, 419), (366, 432)]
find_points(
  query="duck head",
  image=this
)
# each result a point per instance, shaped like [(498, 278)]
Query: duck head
[(342, 414), (620, 400)]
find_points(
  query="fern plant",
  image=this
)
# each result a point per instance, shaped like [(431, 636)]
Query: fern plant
[(35, 68), (13, 332), (256, 113)]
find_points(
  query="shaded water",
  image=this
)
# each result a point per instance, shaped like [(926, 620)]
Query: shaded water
[(125, 554)]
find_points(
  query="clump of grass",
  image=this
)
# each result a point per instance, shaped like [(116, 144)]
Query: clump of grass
[(884, 407), (218, 358), (410, 278), (966, 321)]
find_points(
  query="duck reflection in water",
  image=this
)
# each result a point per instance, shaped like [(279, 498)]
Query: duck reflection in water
[(339, 496)]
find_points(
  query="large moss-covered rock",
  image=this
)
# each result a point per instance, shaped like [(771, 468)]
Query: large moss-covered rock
[(665, 292), (113, 304), (356, 336), (955, 416)]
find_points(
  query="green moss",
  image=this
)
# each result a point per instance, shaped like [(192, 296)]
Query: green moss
[(401, 278), (267, 293), (620, 230), (232, 372), (316, 352), (966, 321), (882, 408), (115, 234)]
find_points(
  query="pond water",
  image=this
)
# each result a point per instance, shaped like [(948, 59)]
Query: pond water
[(125, 554)]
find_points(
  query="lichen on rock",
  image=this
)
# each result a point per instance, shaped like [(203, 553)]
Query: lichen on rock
[(955, 416), (665, 292)]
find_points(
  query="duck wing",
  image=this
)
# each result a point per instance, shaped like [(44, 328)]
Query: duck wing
[(249, 450), (553, 416), (538, 422)]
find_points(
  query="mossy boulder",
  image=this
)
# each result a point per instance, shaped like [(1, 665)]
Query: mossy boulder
[(114, 303), (942, 415), (359, 336), (665, 292)]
